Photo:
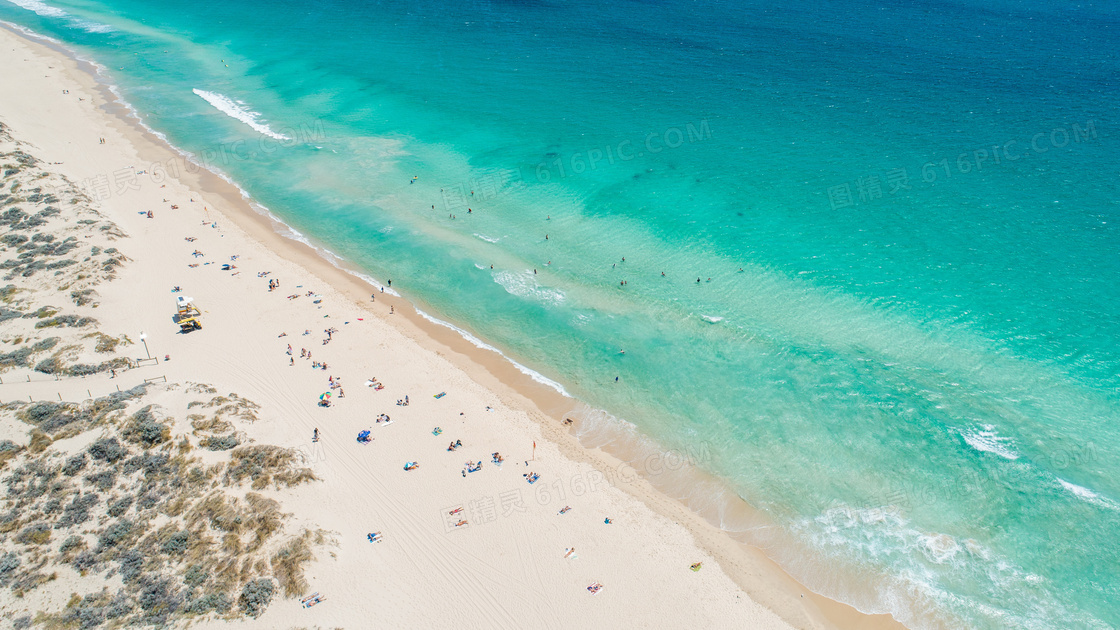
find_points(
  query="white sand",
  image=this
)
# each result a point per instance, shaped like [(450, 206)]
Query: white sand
[(507, 567)]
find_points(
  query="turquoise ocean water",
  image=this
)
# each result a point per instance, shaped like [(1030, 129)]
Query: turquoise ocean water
[(906, 357)]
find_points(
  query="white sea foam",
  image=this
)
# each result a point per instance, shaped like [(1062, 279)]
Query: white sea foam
[(986, 439), (711, 319), (525, 285), (488, 239), (40, 8), (239, 111), (1090, 496), (92, 27), (478, 343), (46, 10)]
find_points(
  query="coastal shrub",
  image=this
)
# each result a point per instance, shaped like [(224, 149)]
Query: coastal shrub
[(119, 606), (120, 506), (52, 507), (77, 511), (86, 612), (144, 429), (8, 450), (104, 480), (16, 358), (195, 575), (177, 543), (40, 412), (85, 561), (83, 297), (214, 602), (132, 565), (42, 312), (256, 596), (37, 534), (159, 597), (72, 545), (149, 500), (45, 344), (21, 623), (72, 321), (12, 215), (9, 562), (114, 534), (81, 369), (51, 365), (220, 443), (153, 464), (58, 420), (108, 450), (30, 223), (75, 464), (13, 240)]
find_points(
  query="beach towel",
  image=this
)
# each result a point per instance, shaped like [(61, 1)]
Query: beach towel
[(440, 395)]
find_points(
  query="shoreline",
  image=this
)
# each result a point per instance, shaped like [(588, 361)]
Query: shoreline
[(762, 579)]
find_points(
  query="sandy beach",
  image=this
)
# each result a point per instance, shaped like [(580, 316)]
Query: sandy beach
[(459, 545)]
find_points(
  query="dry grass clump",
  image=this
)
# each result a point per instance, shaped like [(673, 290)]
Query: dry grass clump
[(104, 343), (214, 424), (288, 563), (263, 464)]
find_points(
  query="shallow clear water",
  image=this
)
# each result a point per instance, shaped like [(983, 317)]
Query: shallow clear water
[(906, 355)]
